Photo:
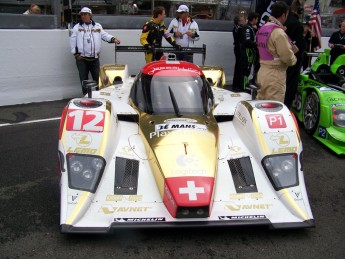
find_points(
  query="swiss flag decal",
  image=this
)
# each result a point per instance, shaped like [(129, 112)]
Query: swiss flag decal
[(190, 191)]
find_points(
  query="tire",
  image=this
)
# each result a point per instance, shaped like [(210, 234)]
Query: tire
[(311, 112), (322, 69), (341, 71)]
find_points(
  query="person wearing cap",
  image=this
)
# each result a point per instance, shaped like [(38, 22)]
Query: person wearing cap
[(85, 44), (34, 9), (153, 33), (185, 31)]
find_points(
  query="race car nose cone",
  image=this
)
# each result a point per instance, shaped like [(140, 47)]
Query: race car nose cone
[(188, 196)]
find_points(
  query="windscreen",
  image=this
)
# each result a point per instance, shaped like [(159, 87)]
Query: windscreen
[(179, 95)]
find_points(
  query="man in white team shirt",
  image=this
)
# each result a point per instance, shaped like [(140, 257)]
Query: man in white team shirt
[(185, 31)]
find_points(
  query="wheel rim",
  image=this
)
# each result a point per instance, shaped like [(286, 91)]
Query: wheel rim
[(311, 111), (341, 71)]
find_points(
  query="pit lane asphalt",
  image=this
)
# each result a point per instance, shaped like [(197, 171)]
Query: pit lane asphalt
[(29, 206)]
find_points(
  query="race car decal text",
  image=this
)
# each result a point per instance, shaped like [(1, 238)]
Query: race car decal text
[(275, 121), (248, 207), (108, 209), (193, 126), (84, 120)]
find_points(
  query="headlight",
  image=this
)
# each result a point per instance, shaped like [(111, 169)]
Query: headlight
[(281, 169), (84, 171), (338, 117)]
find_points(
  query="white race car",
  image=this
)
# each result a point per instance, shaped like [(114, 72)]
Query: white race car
[(167, 149)]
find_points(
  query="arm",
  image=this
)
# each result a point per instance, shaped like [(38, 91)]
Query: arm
[(283, 47), (194, 32), (106, 36), (144, 35), (73, 40)]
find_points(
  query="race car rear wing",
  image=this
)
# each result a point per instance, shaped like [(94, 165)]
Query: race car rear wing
[(201, 50)]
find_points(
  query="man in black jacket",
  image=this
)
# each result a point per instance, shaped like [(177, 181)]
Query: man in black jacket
[(248, 48), (239, 22), (295, 32)]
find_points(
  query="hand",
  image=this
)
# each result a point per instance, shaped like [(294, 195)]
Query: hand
[(77, 56), (148, 47), (178, 47), (178, 34), (115, 40)]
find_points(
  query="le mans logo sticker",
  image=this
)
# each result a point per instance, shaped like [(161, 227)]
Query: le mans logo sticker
[(275, 121)]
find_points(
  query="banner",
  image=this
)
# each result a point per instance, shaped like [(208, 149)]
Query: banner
[(263, 8)]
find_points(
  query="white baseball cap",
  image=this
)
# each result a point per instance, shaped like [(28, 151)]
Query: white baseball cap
[(85, 10), (183, 9)]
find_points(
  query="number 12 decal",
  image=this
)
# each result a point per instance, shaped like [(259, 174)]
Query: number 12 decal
[(85, 120)]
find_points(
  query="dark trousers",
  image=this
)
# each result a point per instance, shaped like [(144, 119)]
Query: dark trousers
[(236, 82), (248, 58), (292, 78), (85, 67)]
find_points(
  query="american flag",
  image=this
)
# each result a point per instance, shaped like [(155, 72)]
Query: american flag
[(315, 22)]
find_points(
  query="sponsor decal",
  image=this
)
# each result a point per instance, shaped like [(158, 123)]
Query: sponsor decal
[(116, 198), (82, 139), (335, 99), (275, 121), (160, 219), (262, 206), (85, 120), (242, 196), (162, 133), (105, 93), (178, 68), (280, 139), (242, 217), (72, 199), (235, 95), (81, 150), (241, 118), (298, 196), (191, 190), (175, 126), (337, 104), (109, 209), (181, 120), (284, 150)]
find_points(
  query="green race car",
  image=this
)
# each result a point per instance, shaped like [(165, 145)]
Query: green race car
[(320, 102)]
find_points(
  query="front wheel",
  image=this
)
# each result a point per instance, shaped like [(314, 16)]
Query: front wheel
[(341, 71), (311, 112)]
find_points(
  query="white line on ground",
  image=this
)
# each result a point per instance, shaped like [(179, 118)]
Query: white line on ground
[(29, 122)]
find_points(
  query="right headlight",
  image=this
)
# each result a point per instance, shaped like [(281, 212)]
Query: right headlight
[(338, 117), (282, 170), (84, 171)]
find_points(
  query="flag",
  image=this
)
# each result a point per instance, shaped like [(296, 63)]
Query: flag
[(315, 22)]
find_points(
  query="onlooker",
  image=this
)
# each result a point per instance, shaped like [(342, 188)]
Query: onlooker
[(33, 9), (185, 31), (239, 22), (248, 49), (311, 42), (295, 32), (85, 43), (276, 54), (153, 32), (337, 39)]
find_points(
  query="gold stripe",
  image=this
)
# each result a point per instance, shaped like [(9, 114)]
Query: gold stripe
[(83, 198), (103, 145), (293, 204), (261, 139)]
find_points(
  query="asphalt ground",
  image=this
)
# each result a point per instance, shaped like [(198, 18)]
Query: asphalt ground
[(29, 206)]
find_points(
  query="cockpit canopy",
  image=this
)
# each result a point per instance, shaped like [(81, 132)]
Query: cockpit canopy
[(178, 90)]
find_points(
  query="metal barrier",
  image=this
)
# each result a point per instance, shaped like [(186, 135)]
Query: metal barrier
[(201, 50)]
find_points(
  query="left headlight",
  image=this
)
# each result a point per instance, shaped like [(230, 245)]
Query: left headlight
[(84, 171), (282, 170), (338, 117)]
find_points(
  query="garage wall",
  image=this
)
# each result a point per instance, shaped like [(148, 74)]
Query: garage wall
[(36, 65)]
